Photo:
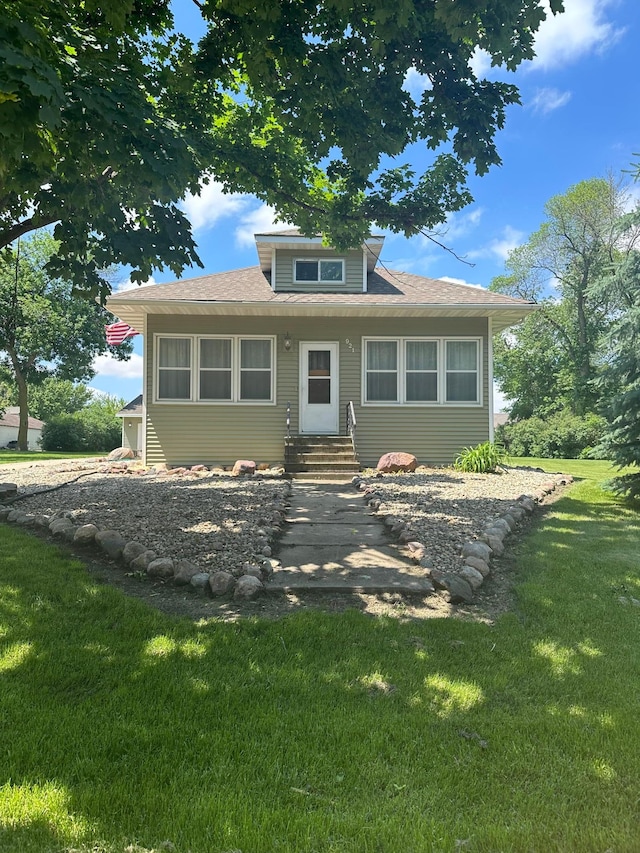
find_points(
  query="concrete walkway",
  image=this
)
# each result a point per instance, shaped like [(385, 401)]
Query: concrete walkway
[(334, 543)]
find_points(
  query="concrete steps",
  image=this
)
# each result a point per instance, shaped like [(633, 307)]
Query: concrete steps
[(320, 456)]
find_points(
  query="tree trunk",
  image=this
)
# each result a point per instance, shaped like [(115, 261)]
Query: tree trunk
[(23, 403)]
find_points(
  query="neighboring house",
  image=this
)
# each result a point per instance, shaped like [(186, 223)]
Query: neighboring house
[(305, 341), (10, 423), (131, 416), (500, 419)]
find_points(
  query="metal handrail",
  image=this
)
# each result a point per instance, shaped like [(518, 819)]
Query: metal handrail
[(351, 423), (288, 419)]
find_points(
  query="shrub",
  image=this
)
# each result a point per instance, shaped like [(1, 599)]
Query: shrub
[(81, 431), (65, 433), (561, 435), (481, 459)]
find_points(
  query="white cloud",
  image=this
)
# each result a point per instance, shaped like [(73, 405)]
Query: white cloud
[(416, 84), (107, 365), (127, 284), (480, 62), (256, 221), (460, 281), (97, 393), (548, 99), (212, 204), (580, 29), (500, 247), (458, 225)]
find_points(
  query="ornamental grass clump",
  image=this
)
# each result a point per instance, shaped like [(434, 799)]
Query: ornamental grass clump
[(482, 459)]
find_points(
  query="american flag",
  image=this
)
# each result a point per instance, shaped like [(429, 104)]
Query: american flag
[(119, 332)]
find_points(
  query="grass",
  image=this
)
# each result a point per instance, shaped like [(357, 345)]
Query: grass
[(120, 726), (11, 457)]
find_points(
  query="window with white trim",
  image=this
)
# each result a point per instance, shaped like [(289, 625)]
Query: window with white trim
[(215, 369), (174, 368), (318, 271), (461, 371), (421, 371)]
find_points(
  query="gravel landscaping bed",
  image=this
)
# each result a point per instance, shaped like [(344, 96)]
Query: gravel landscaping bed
[(444, 508), (221, 525), (215, 521)]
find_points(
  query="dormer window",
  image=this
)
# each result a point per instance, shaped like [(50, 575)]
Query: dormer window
[(318, 271)]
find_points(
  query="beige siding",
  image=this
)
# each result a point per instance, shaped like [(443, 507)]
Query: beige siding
[(130, 433), (220, 434), (353, 271)]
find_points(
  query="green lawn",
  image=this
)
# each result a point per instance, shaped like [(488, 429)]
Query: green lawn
[(123, 727), (10, 457)]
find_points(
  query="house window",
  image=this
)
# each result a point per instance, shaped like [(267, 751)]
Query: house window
[(215, 368), (229, 369), (462, 371), (318, 271), (255, 369), (421, 371), (174, 368), (382, 371)]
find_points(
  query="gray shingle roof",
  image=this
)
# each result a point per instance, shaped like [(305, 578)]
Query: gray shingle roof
[(386, 287)]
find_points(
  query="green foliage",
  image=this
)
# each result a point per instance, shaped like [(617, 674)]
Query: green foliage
[(52, 397), (94, 428), (621, 439), (482, 459), (63, 433), (108, 118), (552, 360), (46, 330), (561, 435)]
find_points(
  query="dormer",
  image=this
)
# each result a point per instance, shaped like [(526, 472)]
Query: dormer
[(298, 264)]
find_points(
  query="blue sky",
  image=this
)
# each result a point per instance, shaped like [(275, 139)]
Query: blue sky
[(579, 118)]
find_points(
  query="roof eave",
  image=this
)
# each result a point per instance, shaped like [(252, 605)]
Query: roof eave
[(503, 316)]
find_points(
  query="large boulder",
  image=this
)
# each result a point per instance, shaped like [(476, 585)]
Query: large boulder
[(243, 466), (120, 453), (221, 583), (85, 534), (184, 571), (161, 567), (247, 587), (391, 463), (132, 550), (111, 542)]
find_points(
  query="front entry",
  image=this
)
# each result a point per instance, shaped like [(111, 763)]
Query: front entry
[(319, 412)]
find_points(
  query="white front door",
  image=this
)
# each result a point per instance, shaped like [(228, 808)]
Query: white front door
[(319, 388)]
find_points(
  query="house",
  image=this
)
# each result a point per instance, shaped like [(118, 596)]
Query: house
[(131, 415), (314, 343), (10, 423)]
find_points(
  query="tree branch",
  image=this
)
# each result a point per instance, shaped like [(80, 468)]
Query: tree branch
[(20, 228)]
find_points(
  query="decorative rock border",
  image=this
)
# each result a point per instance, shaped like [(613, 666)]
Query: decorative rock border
[(476, 554), (244, 584)]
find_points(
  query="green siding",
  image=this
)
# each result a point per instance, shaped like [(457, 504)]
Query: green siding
[(219, 434), (352, 271)]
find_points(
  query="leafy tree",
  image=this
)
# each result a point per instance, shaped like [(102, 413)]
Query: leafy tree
[(102, 429), (621, 371), (52, 397), (108, 117), (95, 427), (44, 329), (559, 267)]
